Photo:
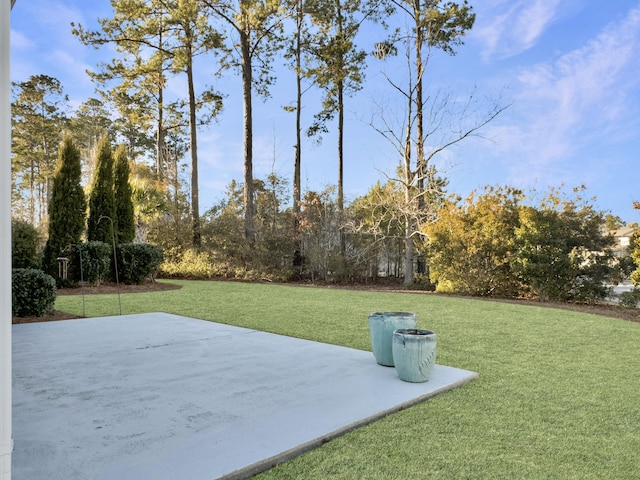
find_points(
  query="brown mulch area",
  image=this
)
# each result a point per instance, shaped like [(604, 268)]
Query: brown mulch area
[(113, 288), (607, 310), (604, 309)]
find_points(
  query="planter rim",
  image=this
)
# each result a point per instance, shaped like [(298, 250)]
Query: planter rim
[(414, 332)]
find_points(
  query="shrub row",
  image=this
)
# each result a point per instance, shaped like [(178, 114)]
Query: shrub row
[(198, 265), (195, 265), (34, 292), (92, 262)]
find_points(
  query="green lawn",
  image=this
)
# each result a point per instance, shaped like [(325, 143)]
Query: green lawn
[(558, 394)]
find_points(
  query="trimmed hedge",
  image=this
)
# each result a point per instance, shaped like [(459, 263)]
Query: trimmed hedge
[(33, 292), (96, 262), (137, 261)]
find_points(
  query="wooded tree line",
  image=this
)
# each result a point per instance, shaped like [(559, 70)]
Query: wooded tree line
[(282, 228)]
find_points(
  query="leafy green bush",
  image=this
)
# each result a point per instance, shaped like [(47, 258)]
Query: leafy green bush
[(24, 245), (495, 245), (630, 299), (33, 292), (136, 261), (96, 262)]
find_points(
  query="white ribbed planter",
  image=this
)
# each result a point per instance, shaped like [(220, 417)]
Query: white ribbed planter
[(414, 354), (381, 328)]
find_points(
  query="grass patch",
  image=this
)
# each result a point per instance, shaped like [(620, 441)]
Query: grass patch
[(557, 395)]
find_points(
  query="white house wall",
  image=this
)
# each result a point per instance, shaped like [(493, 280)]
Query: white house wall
[(6, 443)]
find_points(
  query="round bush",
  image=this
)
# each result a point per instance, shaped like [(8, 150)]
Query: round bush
[(96, 262), (137, 261), (24, 245), (33, 292), (630, 299)]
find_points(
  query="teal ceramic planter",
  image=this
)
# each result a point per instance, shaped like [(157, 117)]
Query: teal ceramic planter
[(414, 354), (381, 327)]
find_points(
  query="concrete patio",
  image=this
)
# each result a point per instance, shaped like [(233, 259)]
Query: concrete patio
[(159, 396)]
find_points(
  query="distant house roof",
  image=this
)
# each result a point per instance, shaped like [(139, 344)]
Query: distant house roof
[(623, 239), (622, 232)]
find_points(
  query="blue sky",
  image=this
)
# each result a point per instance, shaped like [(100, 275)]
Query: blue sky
[(569, 68)]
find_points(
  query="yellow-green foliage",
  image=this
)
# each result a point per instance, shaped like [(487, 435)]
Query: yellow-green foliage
[(188, 264), (197, 265), (495, 245), (634, 253), (470, 245)]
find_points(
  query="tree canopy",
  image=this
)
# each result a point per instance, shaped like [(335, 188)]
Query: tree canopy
[(152, 100)]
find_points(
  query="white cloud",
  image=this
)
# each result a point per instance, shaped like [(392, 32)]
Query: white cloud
[(584, 98), (20, 41), (517, 28)]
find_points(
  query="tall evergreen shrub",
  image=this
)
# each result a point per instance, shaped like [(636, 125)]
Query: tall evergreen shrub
[(126, 230), (101, 199), (67, 207)]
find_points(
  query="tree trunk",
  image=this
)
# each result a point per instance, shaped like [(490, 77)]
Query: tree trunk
[(32, 192), (195, 198), (420, 161), (340, 150), (296, 165), (343, 247), (421, 167), (160, 139), (408, 181), (408, 253), (49, 172), (249, 230), (340, 92), (160, 126)]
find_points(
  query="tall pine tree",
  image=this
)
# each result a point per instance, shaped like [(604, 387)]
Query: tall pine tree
[(67, 206), (102, 205), (123, 197), (256, 27)]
